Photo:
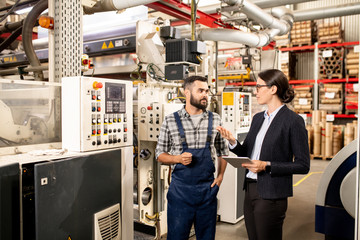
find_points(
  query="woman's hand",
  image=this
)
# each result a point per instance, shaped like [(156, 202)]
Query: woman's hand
[(255, 166), (226, 134)]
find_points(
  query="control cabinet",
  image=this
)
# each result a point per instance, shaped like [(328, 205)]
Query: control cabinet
[(236, 117), (97, 113), (236, 110)]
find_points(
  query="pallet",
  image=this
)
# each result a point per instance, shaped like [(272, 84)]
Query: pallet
[(283, 46), (333, 76), (352, 75), (301, 44), (324, 158), (330, 41), (302, 111), (350, 112), (333, 112)]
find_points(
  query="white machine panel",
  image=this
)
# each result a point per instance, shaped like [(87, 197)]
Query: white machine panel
[(96, 113), (236, 117)]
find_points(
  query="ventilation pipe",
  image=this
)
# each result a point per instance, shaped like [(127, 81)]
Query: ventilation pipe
[(115, 5), (327, 12), (276, 3), (277, 26)]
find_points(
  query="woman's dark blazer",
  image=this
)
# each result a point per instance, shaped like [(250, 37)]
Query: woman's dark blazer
[(285, 145)]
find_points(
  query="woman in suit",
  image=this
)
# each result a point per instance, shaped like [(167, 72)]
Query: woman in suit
[(277, 143)]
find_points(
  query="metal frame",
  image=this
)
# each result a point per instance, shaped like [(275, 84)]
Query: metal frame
[(183, 12)]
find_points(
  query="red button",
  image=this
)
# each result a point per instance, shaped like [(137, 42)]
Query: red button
[(125, 129), (149, 108), (99, 85), (99, 131), (93, 97), (93, 132), (99, 109)]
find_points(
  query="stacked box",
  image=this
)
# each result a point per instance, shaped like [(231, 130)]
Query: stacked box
[(352, 64), (282, 41), (351, 98), (329, 30), (331, 62), (303, 99), (302, 33), (331, 99)]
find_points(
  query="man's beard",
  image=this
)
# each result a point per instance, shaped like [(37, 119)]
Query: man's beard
[(198, 103)]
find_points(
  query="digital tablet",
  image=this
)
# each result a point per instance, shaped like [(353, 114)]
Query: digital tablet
[(237, 161)]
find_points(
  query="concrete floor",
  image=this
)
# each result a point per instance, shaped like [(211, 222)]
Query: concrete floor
[(300, 216)]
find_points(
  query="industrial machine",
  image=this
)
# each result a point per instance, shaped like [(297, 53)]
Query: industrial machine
[(97, 115), (30, 113), (66, 195), (236, 117), (336, 196)]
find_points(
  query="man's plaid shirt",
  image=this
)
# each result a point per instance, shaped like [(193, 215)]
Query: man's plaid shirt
[(169, 140)]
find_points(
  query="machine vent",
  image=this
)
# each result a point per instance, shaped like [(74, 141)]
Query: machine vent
[(108, 224)]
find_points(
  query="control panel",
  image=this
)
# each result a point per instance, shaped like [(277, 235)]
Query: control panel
[(154, 103), (96, 113), (236, 110)]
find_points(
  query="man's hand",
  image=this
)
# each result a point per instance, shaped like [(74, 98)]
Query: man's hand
[(256, 166), (185, 158), (217, 181)]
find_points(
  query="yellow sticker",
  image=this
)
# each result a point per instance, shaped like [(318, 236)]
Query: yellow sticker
[(111, 45), (228, 98), (104, 46)]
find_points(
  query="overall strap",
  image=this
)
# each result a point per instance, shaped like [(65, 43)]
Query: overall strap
[(209, 133), (181, 130)]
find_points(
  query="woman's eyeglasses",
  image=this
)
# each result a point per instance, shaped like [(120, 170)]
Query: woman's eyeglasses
[(258, 86)]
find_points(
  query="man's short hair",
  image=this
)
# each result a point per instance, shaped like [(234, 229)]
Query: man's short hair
[(190, 80)]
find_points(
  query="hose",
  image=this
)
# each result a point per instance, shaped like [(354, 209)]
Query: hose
[(27, 30)]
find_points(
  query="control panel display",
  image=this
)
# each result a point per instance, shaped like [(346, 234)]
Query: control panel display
[(115, 99)]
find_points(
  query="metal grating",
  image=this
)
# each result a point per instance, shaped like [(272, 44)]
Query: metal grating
[(109, 226), (68, 38)]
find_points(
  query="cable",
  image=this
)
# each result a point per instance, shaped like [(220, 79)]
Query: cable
[(11, 38), (155, 73), (10, 11), (176, 98)]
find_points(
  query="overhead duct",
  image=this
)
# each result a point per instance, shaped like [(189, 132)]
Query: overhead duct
[(277, 26), (327, 12), (114, 5), (276, 3)]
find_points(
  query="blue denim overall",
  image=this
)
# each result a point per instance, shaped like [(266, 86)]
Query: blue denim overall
[(191, 199)]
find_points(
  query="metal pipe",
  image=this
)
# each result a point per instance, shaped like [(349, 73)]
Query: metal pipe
[(284, 23), (327, 12), (277, 26), (27, 69), (228, 35), (114, 5), (276, 3), (193, 19), (28, 26)]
